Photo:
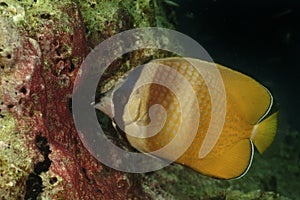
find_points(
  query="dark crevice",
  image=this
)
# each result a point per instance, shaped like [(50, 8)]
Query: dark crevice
[(3, 4), (10, 106), (85, 174), (59, 51), (45, 16), (42, 166), (23, 90), (72, 67), (31, 113), (34, 184), (53, 180), (70, 104), (93, 5), (42, 145)]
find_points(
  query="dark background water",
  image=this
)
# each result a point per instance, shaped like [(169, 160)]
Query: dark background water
[(261, 39)]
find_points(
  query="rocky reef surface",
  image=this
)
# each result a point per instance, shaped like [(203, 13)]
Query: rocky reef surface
[(42, 45)]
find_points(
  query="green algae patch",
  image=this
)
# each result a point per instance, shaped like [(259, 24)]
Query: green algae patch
[(142, 13), (12, 9), (98, 14), (15, 164), (104, 18), (43, 14)]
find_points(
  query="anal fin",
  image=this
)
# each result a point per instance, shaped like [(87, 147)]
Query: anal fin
[(233, 163)]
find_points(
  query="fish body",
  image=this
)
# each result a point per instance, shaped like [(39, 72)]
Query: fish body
[(165, 110)]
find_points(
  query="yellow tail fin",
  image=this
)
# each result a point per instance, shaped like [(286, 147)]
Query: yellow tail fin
[(263, 133)]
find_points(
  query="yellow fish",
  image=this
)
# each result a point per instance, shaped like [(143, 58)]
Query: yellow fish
[(245, 102)]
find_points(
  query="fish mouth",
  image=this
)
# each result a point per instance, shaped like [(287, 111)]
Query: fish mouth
[(103, 102)]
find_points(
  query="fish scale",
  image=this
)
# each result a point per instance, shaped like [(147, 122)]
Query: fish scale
[(159, 94)]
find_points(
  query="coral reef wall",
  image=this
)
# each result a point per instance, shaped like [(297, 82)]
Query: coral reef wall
[(42, 44)]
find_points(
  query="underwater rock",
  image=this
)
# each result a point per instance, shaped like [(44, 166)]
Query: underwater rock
[(42, 44), (178, 182)]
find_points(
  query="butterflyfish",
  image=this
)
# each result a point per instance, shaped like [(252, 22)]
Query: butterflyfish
[(244, 102)]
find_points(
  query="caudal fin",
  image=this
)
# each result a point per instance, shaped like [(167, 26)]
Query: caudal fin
[(263, 133)]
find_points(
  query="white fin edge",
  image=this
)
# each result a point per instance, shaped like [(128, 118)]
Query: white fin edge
[(270, 106), (250, 162), (254, 130)]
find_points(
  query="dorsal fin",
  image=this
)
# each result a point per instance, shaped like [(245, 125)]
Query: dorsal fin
[(250, 97)]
